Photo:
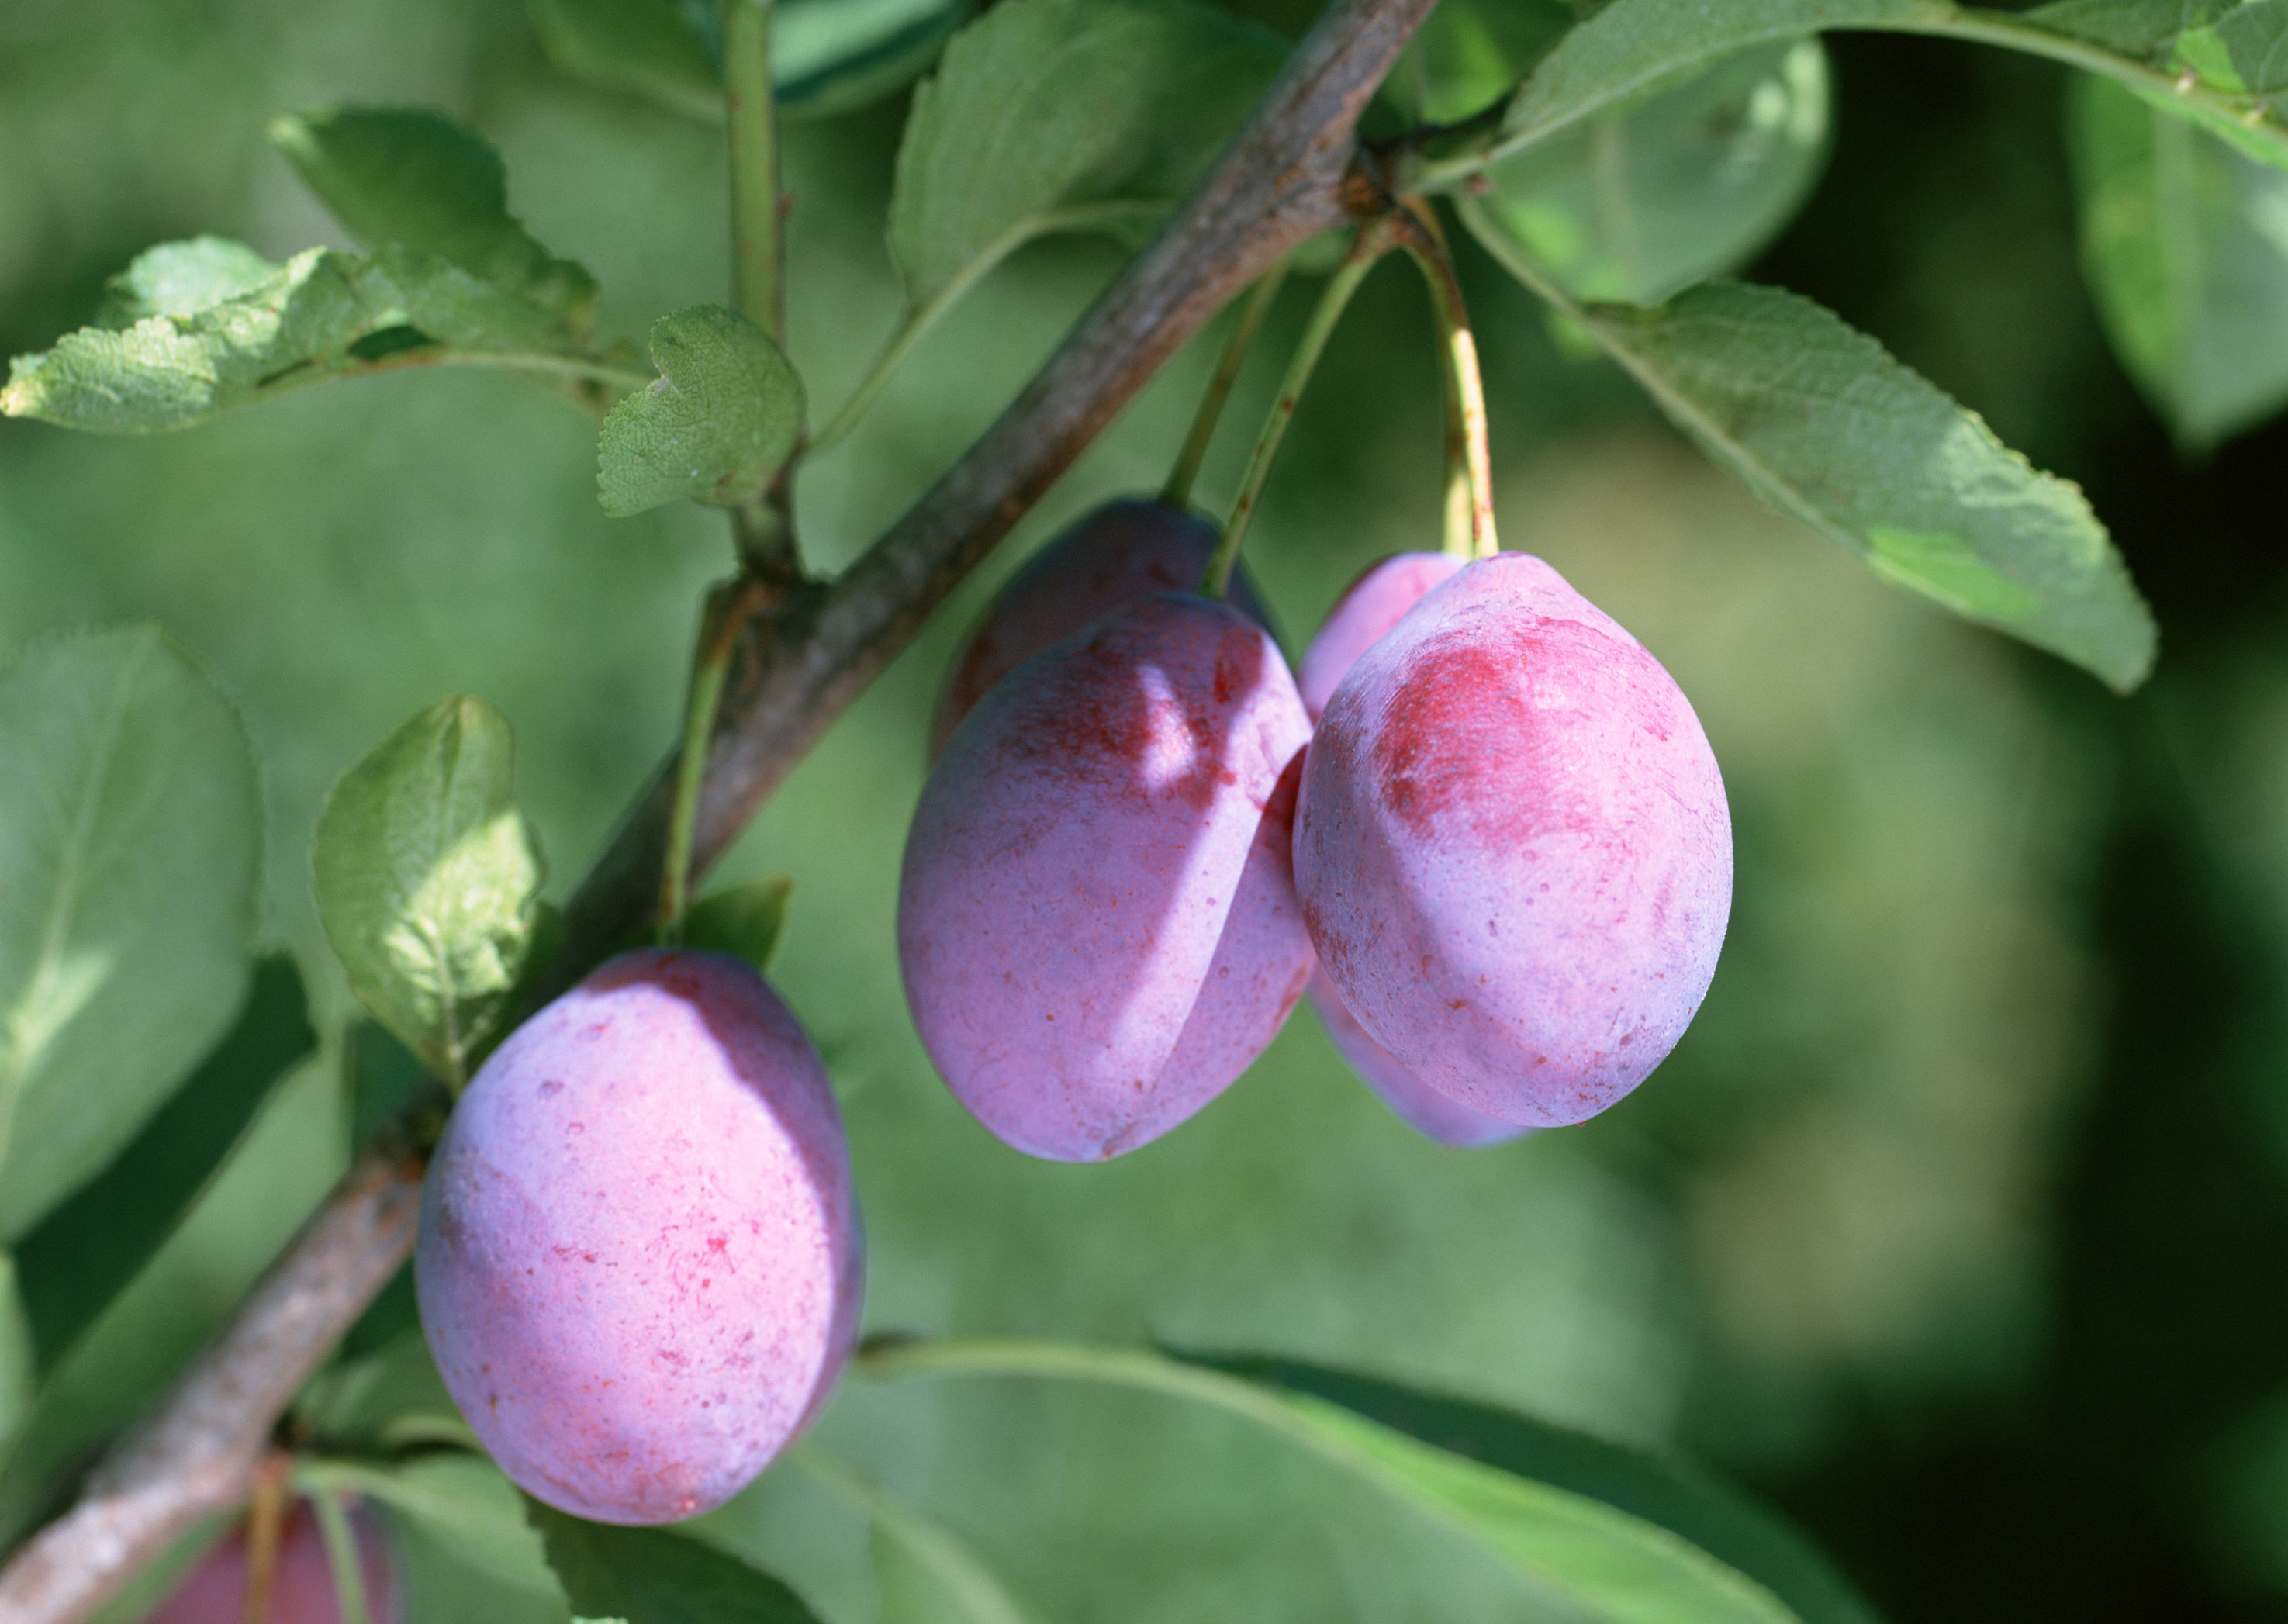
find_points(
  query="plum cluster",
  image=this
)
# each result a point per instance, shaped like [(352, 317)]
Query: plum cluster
[(1484, 832)]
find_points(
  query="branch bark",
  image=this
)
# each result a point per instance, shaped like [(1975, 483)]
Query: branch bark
[(1286, 176)]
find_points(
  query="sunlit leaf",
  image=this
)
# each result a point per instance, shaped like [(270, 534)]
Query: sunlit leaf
[(725, 413), (180, 279), (427, 878), (130, 861)]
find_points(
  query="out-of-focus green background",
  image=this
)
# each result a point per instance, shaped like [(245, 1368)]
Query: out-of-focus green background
[(1957, 1225)]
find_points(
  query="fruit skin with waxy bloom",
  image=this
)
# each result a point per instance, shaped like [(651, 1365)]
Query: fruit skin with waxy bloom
[(1512, 847), (1097, 920), (640, 1262)]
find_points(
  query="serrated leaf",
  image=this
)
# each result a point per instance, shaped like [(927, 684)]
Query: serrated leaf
[(723, 417), (129, 871), (743, 920), (1823, 425), (462, 1501), (84, 1253), (427, 878), (412, 178), (1048, 114), (658, 1578), (1671, 1493), (2185, 244), (180, 278), (1635, 205), (324, 315), (2138, 27)]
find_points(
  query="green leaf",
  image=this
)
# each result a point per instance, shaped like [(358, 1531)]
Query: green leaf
[(414, 179), (922, 1566), (1672, 1493), (180, 278), (650, 47), (324, 315), (2255, 35), (1471, 53), (2185, 244), (460, 1500), (1821, 423), (723, 417), (129, 871), (1064, 115), (19, 1371), (2138, 27), (743, 920), (1638, 204), (84, 1253), (428, 876), (655, 1577)]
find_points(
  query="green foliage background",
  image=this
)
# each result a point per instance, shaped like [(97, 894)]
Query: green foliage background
[(1958, 1222)]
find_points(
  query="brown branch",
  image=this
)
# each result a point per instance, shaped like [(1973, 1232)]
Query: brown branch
[(1282, 180)]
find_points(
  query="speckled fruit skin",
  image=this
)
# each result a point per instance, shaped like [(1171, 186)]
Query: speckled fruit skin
[(1512, 847), (1097, 918), (1411, 1100), (639, 1262), (301, 1585), (1125, 549)]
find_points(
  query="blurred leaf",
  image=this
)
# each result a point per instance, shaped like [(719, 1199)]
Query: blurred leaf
[(647, 46), (1637, 205), (462, 1501), (2255, 36), (2139, 28), (130, 865), (742, 920), (324, 315), (724, 416), (180, 279), (2185, 244), (84, 1253), (925, 1569), (378, 1074), (414, 179), (1469, 53), (1065, 114), (1673, 1494), (426, 877), (20, 1375), (1825, 426), (658, 1578)]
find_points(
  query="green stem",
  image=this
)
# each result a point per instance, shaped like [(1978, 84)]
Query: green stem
[(1375, 239), (730, 604), (341, 1556), (1469, 464), (918, 321), (1447, 158), (1178, 492), (757, 254)]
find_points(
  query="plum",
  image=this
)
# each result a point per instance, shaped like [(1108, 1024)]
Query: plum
[(301, 1585), (639, 1259), (1097, 919), (1120, 550), (1513, 848), (1413, 1101)]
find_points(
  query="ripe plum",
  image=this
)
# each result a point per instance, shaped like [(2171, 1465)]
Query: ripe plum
[(639, 1259), (1097, 918), (1512, 847), (301, 1584)]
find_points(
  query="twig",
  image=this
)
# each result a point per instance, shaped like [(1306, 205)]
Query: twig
[(1280, 181)]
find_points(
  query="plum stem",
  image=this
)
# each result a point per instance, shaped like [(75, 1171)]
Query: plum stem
[(1375, 239), (266, 1524), (730, 603), (1177, 493), (1469, 464)]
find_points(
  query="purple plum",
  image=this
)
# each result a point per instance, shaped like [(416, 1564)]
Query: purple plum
[(1124, 550), (1374, 602), (639, 1261), (1097, 918), (1512, 847), (301, 1583)]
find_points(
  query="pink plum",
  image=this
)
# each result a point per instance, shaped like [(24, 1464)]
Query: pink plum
[(1124, 550), (1413, 1101), (639, 1259), (1512, 847), (1096, 918), (302, 1588)]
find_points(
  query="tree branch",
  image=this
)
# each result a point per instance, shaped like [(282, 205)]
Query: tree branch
[(1285, 177)]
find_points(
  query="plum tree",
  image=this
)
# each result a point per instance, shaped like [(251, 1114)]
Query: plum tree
[(302, 1588), (1097, 920), (1369, 607), (1512, 847), (1125, 549), (639, 1259)]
